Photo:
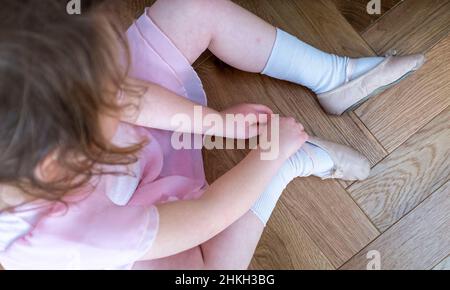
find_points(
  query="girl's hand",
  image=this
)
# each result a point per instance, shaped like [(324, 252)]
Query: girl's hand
[(251, 113), (292, 136)]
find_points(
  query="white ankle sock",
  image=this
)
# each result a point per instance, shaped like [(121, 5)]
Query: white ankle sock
[(298, 62), (320, 159), (359, 66), (301, 164)]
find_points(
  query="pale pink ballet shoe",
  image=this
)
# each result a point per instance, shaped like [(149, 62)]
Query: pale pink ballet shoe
[(349, 164), (385, 75)]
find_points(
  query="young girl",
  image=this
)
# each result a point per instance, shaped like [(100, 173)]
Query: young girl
[(89, 179)]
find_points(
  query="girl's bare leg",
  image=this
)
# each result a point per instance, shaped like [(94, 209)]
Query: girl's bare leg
[(230, 250), (233, 34)]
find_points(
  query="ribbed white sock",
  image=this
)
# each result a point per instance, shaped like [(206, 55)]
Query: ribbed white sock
[(321, 161), (359, 66), (298, 62), (301, 164)]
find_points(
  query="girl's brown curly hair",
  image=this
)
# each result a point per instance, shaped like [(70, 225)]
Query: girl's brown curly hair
[(58, 73)]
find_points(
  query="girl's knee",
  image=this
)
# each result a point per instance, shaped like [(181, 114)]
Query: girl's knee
[(204, 7)]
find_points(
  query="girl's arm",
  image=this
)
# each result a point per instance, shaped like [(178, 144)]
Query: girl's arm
[(186, 224), (157, 107)]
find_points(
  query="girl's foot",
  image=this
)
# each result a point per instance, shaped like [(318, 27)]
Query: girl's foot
[(327, 160), (352, 93), (341, 83), (316, 157)]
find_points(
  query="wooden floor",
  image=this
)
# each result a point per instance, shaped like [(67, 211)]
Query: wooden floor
[(403, 209)]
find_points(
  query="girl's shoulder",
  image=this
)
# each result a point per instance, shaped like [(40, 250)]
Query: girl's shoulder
[(12, 196)]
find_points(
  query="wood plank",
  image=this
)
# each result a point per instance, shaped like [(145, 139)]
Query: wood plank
[(202, 58), (288, 247), (136, 7), (355, 11), (330, 217), (411, 27), (418, 241), (318, 23), (407, 176), (395, 115), (443, 265), (130, 10)]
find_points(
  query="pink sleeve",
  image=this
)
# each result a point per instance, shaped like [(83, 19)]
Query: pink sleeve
[(104, 236)]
